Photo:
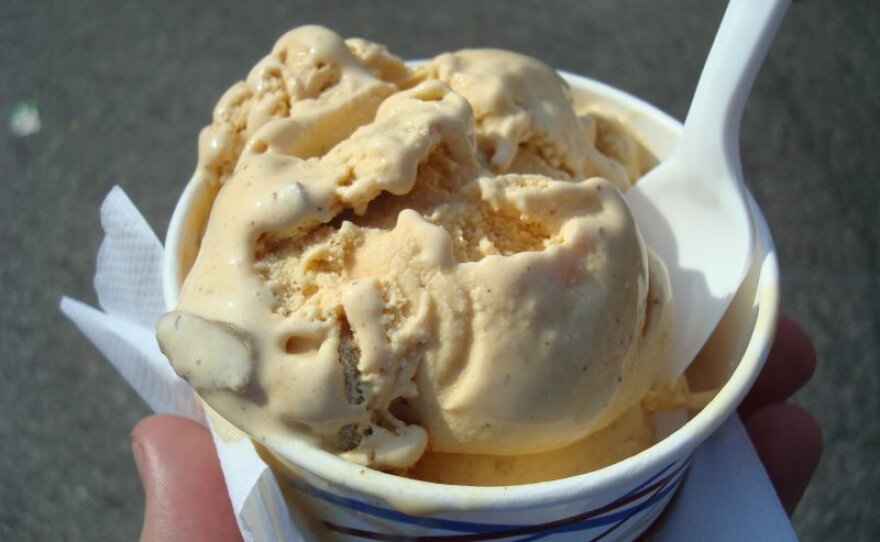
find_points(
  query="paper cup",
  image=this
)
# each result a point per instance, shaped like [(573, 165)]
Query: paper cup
[(616, 503)]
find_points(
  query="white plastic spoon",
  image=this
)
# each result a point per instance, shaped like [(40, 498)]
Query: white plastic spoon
[(692, 208)]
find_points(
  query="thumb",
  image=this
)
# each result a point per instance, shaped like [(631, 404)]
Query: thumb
[(186, 496)]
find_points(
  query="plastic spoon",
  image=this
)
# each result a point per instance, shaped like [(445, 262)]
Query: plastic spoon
[(692, 208)]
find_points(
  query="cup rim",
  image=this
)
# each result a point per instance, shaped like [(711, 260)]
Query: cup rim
[(423, 496)]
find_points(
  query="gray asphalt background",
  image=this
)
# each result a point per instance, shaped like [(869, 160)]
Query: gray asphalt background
[(123, 89)]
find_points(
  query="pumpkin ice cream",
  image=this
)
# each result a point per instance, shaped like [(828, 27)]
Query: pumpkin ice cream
[(401, 260)]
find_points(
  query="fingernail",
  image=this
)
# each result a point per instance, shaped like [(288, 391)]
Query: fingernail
[(138, 453)]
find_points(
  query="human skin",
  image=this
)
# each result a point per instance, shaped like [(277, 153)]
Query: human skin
[(186, 498)]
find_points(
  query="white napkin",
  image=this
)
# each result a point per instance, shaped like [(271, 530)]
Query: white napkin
[(129, 286), (726, 495)]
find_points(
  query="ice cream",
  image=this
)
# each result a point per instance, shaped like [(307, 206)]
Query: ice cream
[(400, 261)]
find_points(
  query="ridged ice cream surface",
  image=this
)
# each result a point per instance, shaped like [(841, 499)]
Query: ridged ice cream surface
[(401, 260)]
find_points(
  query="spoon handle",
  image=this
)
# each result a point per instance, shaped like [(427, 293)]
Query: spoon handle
[(742, 42)]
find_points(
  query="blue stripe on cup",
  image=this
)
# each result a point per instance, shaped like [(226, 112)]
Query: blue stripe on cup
[(653, 491)]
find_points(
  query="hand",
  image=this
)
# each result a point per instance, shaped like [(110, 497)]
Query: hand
[(186, 497), (787, 438)]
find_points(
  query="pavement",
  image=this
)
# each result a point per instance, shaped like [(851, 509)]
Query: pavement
[(122, 90)]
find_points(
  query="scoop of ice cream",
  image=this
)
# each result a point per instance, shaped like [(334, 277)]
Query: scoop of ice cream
[(523, 116), (396, 261), (627, 435), (312, 81)]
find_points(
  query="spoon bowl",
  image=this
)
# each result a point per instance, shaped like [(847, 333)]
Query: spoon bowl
[(692, 208)]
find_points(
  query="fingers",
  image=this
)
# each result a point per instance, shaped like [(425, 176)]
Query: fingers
[(186, 496), (790, 365), (789, 442)]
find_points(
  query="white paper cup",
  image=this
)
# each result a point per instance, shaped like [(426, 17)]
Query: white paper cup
[(616, 503)]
